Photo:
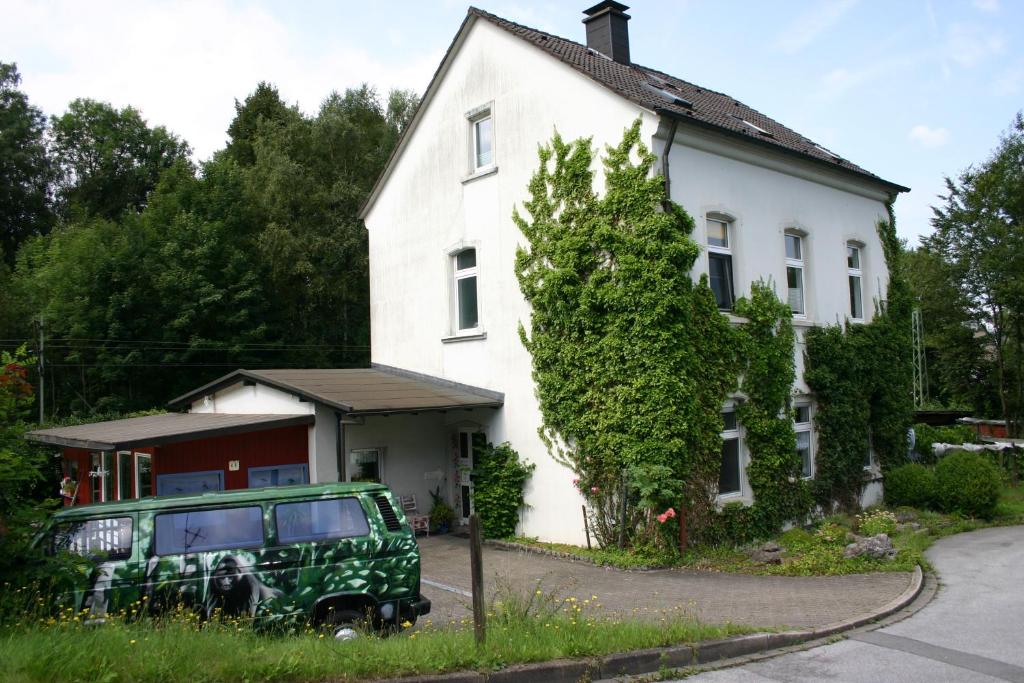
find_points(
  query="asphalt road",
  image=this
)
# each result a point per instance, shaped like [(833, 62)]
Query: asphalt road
[(972, 630)]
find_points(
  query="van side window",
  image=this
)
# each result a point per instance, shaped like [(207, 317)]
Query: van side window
[(198, 530), (319, 520), (98, 539)]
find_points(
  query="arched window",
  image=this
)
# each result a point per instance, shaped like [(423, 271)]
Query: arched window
[(795, 272), (720, 271)]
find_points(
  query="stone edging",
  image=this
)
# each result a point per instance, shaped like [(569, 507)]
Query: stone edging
[(674, 657)]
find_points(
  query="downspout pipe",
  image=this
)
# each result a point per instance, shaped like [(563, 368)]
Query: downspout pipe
[(664, 161)]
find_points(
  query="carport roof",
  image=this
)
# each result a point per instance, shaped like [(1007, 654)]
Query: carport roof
[(377, 390), (156, 430)]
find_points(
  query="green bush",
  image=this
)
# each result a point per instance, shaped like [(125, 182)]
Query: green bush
[(967, 483), (912, 485), (498, 481)]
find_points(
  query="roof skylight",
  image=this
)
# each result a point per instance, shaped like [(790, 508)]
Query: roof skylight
[(754, 126), (827, 151)]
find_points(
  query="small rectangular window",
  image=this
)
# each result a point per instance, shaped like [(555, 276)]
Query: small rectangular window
[(718, 233), (467, 311), (364, 464), (854, 278), (143, 475), (729, 474), (124, 475), (802, 414), (97, 539), (720, 279), (803, 447), (794, 249), (200, 530), (281, 475), (320, 520), (795, 273), (483, 142)]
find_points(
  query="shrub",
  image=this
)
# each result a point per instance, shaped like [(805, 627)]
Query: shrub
[(967, 483), (912, 485), (498, 481), (877, 522)]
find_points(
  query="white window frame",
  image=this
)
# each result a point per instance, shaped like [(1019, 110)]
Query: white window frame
[(152, 480), (727, 250), (808, 427), (457, 276), (797, 264), (858, 273), (476, 117), (737, 434)]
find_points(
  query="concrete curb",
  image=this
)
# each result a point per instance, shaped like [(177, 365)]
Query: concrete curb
[(639, 662), (512, 546)]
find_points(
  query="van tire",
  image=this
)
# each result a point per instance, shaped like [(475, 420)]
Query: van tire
[(346, 624)]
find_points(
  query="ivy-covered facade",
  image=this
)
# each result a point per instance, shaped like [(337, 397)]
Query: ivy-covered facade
[(665, 297)]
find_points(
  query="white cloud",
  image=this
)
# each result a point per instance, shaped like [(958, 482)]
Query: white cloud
[(807, 27), (970, 44), (927, 136), (183, 64), (987, 5), (1010, 81)]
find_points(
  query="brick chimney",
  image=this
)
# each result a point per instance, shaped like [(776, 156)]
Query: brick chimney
[(607, 30)]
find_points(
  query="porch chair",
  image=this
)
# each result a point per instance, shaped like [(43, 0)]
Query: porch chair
[(417, 521)]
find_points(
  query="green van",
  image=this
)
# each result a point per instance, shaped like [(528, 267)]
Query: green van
[(334, 555)]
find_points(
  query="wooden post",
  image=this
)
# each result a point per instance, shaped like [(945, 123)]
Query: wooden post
[(586, 525), (476, 566), (683, 538), (622, 516)]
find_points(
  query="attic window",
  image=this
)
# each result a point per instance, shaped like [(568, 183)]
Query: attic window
[(827, 151), (756, 127), (665, 94)]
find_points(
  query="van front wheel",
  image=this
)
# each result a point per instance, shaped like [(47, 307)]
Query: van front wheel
[(344, 624)]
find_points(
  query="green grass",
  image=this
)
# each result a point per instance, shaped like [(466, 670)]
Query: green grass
[(808, 554), (181, 650)]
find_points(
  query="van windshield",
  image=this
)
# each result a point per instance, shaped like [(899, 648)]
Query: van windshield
[(320, 520), (198, 530), (97, 539)]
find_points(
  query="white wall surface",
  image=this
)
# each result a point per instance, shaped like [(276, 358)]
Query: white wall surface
[(430, 206), (257, 399)]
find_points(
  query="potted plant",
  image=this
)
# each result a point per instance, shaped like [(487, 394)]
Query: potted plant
[(441, 513)]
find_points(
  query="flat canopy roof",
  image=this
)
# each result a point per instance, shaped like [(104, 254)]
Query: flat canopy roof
[(156, 430), (376, 390)]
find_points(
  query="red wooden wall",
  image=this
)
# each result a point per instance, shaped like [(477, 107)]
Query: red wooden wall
[(282, 446)]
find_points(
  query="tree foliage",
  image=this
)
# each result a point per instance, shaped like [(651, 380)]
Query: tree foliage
[(109, 159), (25, 167), (498, 480), (978, 252), (631, 358), (162, 275)]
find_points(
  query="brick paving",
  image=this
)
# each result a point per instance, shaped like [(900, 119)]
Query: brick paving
[(712, 597)]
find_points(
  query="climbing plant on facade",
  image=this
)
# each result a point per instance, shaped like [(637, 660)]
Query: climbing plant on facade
[(631, 358), (862, 377), (767, 371)]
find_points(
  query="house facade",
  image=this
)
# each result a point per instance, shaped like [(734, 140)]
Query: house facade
[(767, 203)]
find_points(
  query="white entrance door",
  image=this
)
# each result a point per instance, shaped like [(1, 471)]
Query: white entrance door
[(470, 445)]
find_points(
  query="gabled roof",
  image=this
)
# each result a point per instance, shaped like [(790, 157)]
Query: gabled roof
[(156, 430), (376, 390), (653, 90)]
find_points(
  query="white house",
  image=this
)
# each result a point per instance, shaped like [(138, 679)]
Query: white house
[(444, 298)]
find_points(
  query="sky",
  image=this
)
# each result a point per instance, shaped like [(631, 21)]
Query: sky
[(912, 90)]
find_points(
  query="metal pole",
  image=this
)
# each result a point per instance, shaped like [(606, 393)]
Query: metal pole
[(476, 566), (622, 517), (42, 375)]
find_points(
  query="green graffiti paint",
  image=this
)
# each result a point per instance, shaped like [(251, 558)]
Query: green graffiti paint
[(197, 553)]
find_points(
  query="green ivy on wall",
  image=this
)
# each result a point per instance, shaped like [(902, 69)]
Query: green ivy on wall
[(767, 374), (862, 377), (631, 358), (498, 481)]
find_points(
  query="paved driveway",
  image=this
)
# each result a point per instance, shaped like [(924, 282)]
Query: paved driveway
[(971, 631), (777, 601)]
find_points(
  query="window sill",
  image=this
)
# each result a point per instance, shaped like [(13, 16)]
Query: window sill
[(478, 336), (480, 173), (733, 318)]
